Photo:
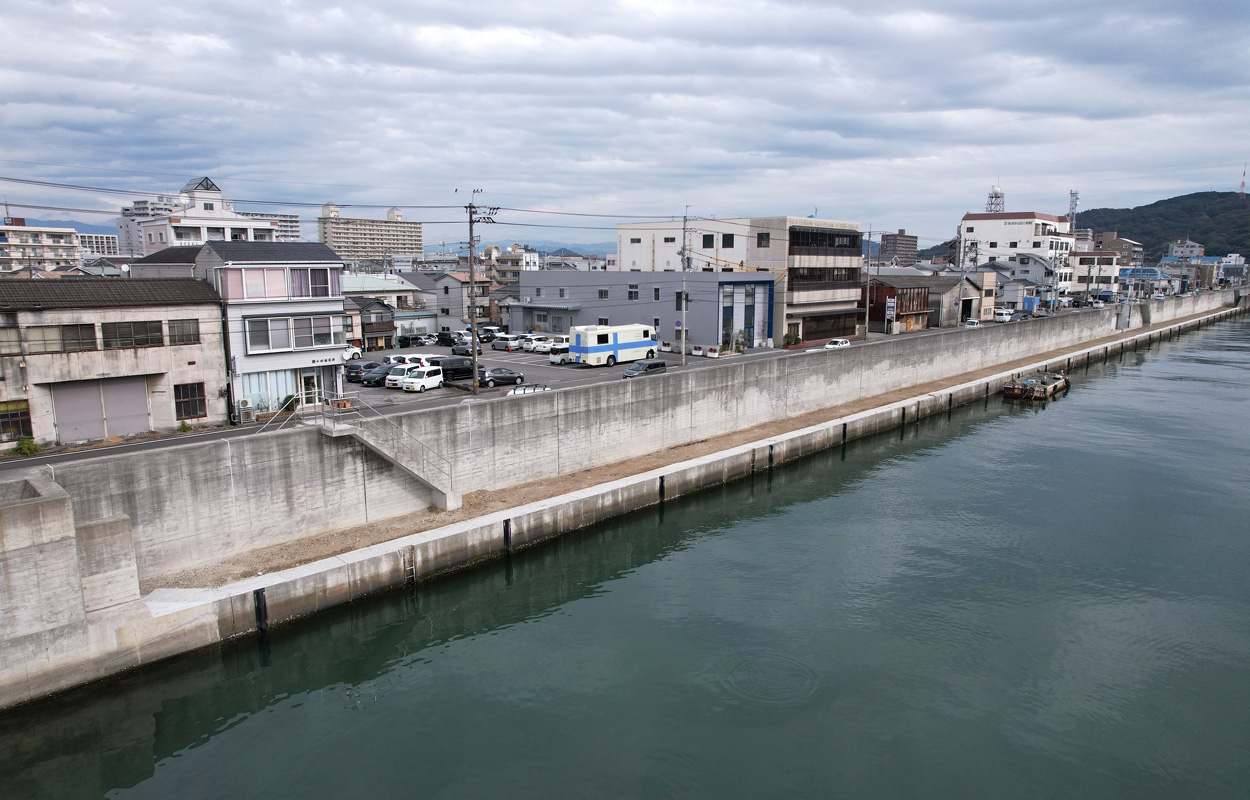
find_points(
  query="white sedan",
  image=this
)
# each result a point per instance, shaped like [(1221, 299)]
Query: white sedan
[(834, 344), (543, 346), (350, 353)]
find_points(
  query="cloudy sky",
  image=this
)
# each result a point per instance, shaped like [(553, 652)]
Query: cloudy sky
[(891, 114)]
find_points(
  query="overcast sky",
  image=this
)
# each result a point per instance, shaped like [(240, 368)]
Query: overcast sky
[(891, 114)]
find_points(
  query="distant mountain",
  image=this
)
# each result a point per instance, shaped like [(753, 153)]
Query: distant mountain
[(82, 227), (1218, 220)]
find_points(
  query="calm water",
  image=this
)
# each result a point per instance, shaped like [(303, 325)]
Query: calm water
[(1007, 602)]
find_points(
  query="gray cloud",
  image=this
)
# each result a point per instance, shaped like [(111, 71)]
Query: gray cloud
[(898, 114)]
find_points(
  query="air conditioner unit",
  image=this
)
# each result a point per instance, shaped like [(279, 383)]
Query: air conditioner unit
[(527, 299), (246, 402), (247, 415)]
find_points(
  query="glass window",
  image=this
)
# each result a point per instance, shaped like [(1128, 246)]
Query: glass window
[(603, 321), (303, 332), (189, 401), (254, 283), (10, 342), (81, 337), (763, 239), (670, 239), (184, 331), (44, 338), (257, 335), (635, 241), (280, 333), (121, 335), (321, 331), (603, 294), (727, 240), (633, 291), (275, 284), (655, 294), (709, 240), (14, 420), (232, 284), (320, 281)]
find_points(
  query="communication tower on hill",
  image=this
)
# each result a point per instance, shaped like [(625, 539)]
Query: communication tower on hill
[(1242, 193), (995, 203), (1074, 199)]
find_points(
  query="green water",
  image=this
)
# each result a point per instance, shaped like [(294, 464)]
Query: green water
[(1004, 602)]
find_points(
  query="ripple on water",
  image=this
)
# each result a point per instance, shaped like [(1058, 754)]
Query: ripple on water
[(766, 680)]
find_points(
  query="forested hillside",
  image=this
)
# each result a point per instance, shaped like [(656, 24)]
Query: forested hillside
[(1218, 220)]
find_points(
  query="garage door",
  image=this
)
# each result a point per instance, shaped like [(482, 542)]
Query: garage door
[(86, 410)]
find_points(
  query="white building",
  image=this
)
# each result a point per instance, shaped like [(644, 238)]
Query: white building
[(816, 264), (453, 300), (358, 239), (1004, 236), (202, 216), (36, 249), (1186, 248), (96, 245), (1092, 272), (287, 228), (129, 241)]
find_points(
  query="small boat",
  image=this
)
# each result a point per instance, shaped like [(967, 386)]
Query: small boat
[(1041, 386)]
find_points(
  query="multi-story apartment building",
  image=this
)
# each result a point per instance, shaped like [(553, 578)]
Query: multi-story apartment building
[(1132, 254), (1091, 273), (899, 245), (201, 216), (287, 224), (89, 358), (1186, 248), (1005, 236), (36, 249), (96, 245), (356, 239), (129, 241), (285, 326), (816, 264)]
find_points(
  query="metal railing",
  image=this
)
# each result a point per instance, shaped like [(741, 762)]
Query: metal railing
[(382, 432)]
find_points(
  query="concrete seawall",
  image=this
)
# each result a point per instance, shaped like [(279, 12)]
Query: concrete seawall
[(123, 518)]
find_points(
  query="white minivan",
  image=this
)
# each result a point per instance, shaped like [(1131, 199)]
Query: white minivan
[(1002, 315), (419, 380)]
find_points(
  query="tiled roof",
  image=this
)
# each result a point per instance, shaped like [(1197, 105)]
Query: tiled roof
[(274, 252), (170, 255), (19, 294)]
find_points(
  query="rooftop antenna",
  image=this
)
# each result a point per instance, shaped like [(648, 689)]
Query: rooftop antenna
[(1074, 199), (994, 204)]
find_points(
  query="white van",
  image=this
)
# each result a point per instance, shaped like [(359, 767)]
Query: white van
[(1002, 315), (610, 344), (419, 380)]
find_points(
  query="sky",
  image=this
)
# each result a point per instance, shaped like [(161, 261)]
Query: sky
[(895, 115)]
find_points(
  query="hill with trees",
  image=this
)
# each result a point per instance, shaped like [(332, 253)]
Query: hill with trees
[(1218, 220)]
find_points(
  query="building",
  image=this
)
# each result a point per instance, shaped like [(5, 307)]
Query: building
[(390, 289), (32, 249), (287, 229), (202, 216), (1132, 254), (1092, 272), (1233, 268), (285, 322), (357, 239), (453, 300), (1005, 236), (721, 308), (370, 323), (90, 358), (899, 246), (1186, 248), (897, 304), (129, 241), (816, 264), (96, 245)]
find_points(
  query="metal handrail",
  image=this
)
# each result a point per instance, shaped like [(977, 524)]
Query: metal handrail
[(394, 436)]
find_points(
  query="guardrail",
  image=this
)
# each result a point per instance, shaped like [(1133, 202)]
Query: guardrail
[(349, 408)]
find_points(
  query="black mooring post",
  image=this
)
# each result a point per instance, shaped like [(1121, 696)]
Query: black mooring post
[(507, 536), (262, 610)]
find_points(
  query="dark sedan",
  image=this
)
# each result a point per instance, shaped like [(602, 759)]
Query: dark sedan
[(353, 371), (498, 375), (376, 376)]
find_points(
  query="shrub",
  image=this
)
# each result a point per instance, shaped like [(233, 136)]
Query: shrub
[(289, 403), (26, 447), (183, 427)]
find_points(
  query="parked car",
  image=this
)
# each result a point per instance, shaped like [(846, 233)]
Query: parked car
[(972, 323), (498, 375), (1097, 304), (419, 380), (354, 371), (509, 342), (351, 351), (560, 354), (834, 344), (393, 360), (454, 367), (1020, 316), (376, 376), (463, 349), (647, 366), (445, 338), (405, 341), (395, 378), (485, 337), (422, 359), (529, 342), (427, 340), (1002, 315)]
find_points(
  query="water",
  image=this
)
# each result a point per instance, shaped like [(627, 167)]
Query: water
[(1007, 602)]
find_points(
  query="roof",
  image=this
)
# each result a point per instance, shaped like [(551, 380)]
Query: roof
[(422, 280), (201, 183), (17, 294), (274, 252), (170, 255), (564, 252), (464, 278), (372, 283), (930, 282), (363, 303), (1015, 215)]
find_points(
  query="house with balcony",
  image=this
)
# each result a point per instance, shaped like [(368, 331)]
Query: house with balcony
[(83, 359), (30, 249), (897, 304), (285, 323), (370, 323), (458, 302), (815, 265)]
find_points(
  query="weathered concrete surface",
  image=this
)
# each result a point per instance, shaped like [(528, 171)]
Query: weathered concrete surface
[(69, 567)]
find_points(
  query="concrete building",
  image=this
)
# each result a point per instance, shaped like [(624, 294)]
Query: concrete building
[(287, 229), (1006, 236), (370, 323), (897, 304), (1092, 272), (129, 240), (722, 308), (32, 249), (1132, 254), (1186, 248), (96, 245), (816, 264), (202, 216), (453, 299), (89, 358), (899, 246), (358, 239), (285, 323)]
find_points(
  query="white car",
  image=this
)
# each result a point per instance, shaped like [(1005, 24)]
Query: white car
[(834, 344), (351, 352), (1097, 304), (559, 354), (542, 346), (972, 323), (419, 380)]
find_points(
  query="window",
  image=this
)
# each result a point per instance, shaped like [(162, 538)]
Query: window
[(603, 337), (1037, 245), (969, 229), (988, 293), (160, 236), (1014, 245), (208, 206), (709, 240), (266, 335), (10, 342), (348, 325), (61, 338), (633, 291), (149, 238), (14, 420), (313, 332), (189, 401), (541, 316), (563, 293), (670, 239), (727, 241), (655, 294), (538, 291), (119, 335), (677, 299), (993, 244), (184, 331), (655, 322), (635, 240), (309, 283), (446, 290), (763, 239), (446, 312), (603, 294)]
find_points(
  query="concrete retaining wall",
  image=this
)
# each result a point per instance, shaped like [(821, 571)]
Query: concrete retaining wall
[(123, 515)]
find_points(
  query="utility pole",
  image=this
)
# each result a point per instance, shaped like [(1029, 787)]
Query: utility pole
[(685, 265), (486, 215)]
